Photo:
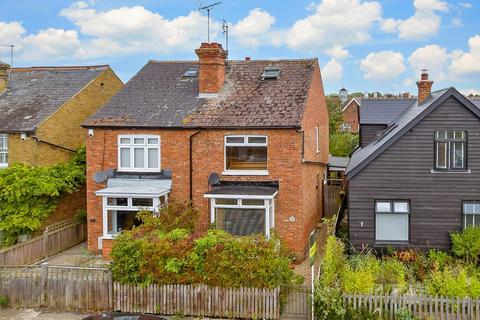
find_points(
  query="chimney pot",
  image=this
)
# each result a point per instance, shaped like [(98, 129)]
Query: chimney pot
[(247, 58), (211, 73), (424, 87)]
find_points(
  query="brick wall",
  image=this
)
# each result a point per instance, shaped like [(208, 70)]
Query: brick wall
[(64, 126), (350, 115)]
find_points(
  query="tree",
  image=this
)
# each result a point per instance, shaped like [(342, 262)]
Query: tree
[(335, 116)]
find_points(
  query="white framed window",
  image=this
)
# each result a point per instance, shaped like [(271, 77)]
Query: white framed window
[(317, 140), (451, 150), (120, 212), (242, 216), (392, 220), (246, 155), (345, 126), (139, 153), (471, 214), (3, 150)]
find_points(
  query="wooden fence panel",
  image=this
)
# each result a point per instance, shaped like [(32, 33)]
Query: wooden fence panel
[(331, 200), (298, 304), (424, 307), (57, 237), (197, 300)]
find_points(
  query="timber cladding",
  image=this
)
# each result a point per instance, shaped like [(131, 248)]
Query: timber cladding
[(404, 172)]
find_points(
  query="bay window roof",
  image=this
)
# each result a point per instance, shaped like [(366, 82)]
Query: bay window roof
[(136, 187)]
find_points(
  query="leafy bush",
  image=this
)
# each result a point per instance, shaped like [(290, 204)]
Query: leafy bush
[(405, 314), (167, 250), (29, 194), (343, 144), (3, 302), (360, 274), (466, 244), (453, 282)]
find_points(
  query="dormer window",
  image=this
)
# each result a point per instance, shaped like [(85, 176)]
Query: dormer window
[(139, 153), (270, 73), (191, 73)]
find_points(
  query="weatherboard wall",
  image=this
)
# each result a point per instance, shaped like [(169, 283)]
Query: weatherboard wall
[(403, 172)]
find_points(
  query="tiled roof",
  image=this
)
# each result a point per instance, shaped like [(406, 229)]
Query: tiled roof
[(383, 110), (33, 94), (158, 97)]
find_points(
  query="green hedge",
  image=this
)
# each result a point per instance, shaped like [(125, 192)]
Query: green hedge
[(29, 194)]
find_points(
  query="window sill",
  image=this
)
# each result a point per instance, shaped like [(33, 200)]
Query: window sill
[(390, 243), (3, 166), (139, 171), (245, 173), (435, 171)]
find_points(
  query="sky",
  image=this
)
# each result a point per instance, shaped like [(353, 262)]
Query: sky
[(361, 45)]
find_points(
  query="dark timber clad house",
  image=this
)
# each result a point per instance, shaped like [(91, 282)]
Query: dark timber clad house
[(419, 179)]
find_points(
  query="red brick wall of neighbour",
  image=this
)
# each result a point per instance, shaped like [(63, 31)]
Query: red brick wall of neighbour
[(350, 115)]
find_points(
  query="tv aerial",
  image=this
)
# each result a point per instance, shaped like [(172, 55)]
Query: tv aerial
[(208, 8), (225, 32), (11, 46)]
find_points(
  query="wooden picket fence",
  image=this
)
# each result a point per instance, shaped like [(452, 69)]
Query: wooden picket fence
[(424, 307), (198, 300), (84, 289), (56, 238)]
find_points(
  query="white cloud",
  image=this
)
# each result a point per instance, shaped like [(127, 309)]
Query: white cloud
[(256, 29), (383, 65), (470, 91), (332, 71), (334, 23), (431, 57), (424, 23), (467, 63), (337, 52), (50, 43)]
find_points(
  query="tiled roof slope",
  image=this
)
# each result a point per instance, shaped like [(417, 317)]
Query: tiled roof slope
[(33, 94), (381, 110), (158, 97)]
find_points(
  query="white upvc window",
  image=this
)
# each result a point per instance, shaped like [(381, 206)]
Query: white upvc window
[(243, 215), (471, 214), (246, 155), (3, 150), (392, 219), (139, 153), (120, 212)]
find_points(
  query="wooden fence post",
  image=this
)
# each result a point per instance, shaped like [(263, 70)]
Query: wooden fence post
[(43, 283), (45, 242), (110, 291)]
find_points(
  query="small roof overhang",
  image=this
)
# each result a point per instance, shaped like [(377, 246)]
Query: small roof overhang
[(136, 187), (244, 192)]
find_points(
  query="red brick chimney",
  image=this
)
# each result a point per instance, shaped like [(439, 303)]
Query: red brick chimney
[(424, 87), (211, 74)]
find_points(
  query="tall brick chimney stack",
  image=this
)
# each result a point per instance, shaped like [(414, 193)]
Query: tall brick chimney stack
[(4, 68), (424, 87), (211, 76)]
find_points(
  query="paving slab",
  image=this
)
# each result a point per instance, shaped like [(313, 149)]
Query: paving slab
[(75, 256), (31, 314)]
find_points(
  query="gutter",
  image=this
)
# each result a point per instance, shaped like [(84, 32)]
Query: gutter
[(53, 144), (191, 162)]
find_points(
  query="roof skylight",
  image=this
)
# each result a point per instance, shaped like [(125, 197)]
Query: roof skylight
[(270, 73), (191, 73)]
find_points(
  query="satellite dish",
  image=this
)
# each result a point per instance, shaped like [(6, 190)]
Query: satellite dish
[(213, 179), (100, 177)]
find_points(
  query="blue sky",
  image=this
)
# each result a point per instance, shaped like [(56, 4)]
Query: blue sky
[(362, 45)]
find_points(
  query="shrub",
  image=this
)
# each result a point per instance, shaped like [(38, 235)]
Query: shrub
[(343, 144), (453, 282), (360, 274), (391, 275), (3, 302), (466, 244), (29, 194), (405, 314), (156, 253)]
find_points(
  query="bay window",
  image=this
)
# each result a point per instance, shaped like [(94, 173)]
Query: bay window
[(243, 216), (139, 153), (3, 150), (392, 220), (246, 154)]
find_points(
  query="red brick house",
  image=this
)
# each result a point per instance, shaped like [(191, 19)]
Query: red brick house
[(350, 112), (245, 141)]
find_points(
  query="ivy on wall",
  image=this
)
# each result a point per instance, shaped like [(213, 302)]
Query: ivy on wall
[(29, 194)]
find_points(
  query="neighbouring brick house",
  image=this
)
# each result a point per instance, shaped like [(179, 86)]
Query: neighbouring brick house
[(350, 112), (41, 112), (42, 109), (245, 141)]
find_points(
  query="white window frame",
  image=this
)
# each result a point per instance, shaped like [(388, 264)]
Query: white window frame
[(4, 137), (475, 215), (132, 147), (268, 206), (129, 207), (244, 144), (392, 212), (317, 140)]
